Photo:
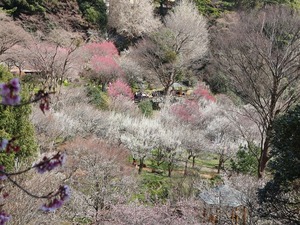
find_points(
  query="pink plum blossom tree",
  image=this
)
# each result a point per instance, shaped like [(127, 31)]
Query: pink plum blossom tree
[(100, 60), (119, 88)]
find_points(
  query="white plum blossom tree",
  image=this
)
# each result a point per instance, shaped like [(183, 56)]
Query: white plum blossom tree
[(171, 146), (176, 46), (140, 137), (224, 138), (132, 18)]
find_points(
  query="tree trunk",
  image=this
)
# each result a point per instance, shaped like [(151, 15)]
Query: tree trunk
[(170, 81), (170, 169), (141, 165), (221, 161), (193, 165), (185, 168), (167, 90), (264, 156)]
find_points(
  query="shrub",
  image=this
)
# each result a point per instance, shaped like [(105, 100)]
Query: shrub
[(98, 98), (146, 108), (15, 123), (246, 160), (156, 186)]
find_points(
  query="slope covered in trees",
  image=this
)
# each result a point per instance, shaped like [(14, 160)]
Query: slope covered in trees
[(155, 104)]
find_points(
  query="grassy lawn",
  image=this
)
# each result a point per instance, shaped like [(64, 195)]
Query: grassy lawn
[(204, 164)]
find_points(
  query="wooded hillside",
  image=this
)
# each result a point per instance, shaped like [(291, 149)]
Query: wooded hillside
[(149, 112)]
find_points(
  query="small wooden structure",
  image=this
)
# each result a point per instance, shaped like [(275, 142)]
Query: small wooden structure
[(224, 202)]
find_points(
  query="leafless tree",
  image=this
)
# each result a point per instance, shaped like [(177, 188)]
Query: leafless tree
[(176, 46), (183, 212), (224, 138), (132, 18), (194, 143), (10, 34), (101, 176), (51, 62), (133, 72), (25, 209), (261, 59)]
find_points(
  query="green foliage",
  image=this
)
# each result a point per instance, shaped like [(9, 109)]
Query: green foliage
[(246, 160), (157, 187), (82, 220), (280, 196), (216, 180), (15, 123), (146, 108), (94, 12), (286, 146), (208, 8), (215, 8), (15, 7), (98, 98), (217, 82), (292, 3)]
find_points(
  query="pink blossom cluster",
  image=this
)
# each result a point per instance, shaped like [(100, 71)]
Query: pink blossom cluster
[(186, 111), (62, 196), (3, 218), (48, 164), (10, 92), (105, 48), (202, 92), (8, 146), (105, 65), (120, 88), (44, 104)]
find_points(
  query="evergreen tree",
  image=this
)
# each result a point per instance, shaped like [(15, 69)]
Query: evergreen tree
[(286, 146), (94, 12), (15, 124), (281, 196), (23, 6)]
